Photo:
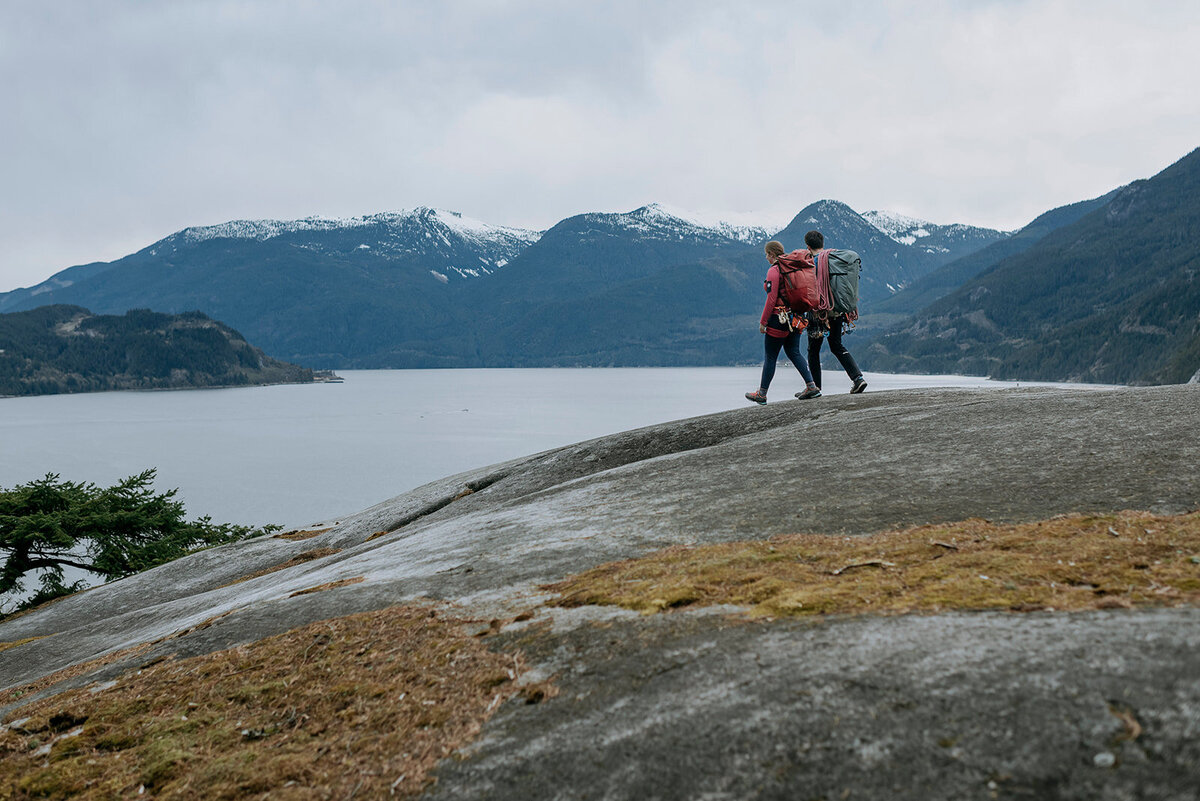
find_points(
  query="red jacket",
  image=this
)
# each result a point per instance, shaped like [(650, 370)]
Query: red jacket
[(775, 305)]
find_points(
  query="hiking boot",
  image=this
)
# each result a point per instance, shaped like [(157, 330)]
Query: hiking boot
[(813, 391), (758, 396), (860, 384)]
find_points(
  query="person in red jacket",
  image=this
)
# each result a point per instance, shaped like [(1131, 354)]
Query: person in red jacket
[(782, 329)]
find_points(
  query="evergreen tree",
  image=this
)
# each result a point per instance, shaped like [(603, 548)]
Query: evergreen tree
[(47, 525)]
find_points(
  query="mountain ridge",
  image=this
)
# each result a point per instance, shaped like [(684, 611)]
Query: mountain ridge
[(270, 228), (384, 290)]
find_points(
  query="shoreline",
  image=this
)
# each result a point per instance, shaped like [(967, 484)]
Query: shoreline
[(333, 379)]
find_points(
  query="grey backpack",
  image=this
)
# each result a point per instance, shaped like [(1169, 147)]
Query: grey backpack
[(844, 267)]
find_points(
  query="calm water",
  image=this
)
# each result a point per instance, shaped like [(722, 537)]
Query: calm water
[(297, 455)]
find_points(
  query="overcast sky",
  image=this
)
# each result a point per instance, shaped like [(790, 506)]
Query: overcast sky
[(127, 120)]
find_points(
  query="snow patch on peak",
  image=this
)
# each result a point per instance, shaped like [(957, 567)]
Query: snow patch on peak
[(264, 229), (470, 227), (656, 211), (665, 218), (907, 230), (744, 220), (898, 226)]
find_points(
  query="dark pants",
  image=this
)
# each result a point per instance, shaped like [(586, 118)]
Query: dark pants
[(836, 348), (791, 346)]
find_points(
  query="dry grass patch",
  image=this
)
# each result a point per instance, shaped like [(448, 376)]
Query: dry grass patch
[(1070, 562), (329, 585), (298, 559), (4, 646), (17, 693), (83, 668), (300, 534), (360, 706)]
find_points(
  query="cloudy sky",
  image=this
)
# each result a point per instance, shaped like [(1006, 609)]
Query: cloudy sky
[(126, 120)]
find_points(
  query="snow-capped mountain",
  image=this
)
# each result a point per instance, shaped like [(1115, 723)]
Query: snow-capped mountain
[(323, 287), (597, 250), (888, 265), (895, 250), (416, 230), (459, 245)]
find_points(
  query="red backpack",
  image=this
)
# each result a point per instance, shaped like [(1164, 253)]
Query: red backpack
[(798, 286)]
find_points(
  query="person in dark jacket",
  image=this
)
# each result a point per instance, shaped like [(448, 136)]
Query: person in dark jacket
[(822, 325), (782, 330)]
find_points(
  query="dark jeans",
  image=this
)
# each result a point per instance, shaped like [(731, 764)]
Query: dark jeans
[(836, 348), (791, 346)]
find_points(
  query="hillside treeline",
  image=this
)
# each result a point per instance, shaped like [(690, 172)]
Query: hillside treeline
[(61, 349)]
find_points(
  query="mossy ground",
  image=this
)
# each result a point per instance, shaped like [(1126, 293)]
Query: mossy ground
[(363, 705), (1066, 563)]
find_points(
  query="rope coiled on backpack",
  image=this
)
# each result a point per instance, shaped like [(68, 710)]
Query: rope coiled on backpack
[(824, 290)]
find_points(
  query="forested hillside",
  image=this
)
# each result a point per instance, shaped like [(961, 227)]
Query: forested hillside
[(949, 277), (1114, 297), (59, 349)]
